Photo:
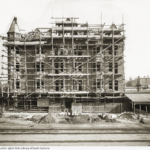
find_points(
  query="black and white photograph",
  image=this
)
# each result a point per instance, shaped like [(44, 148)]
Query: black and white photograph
[(74, 73)]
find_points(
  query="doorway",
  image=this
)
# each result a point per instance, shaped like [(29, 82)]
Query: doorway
[(68, 103)]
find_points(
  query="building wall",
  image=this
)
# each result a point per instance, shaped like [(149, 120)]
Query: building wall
[(105, 74), (31, 62)]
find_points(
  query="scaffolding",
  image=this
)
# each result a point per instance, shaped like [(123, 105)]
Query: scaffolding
[(83, 62)]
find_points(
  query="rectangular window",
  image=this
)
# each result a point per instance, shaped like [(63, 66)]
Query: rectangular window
[(115, 50), (38, 50), (98, 49), (42, 84), (61, 66), (12, 49), (17, 84), (42, 66), (61, 52), (17, 50), (80, 67), (74, 49), (94, 84), (79, 52), (110, 50), (76, 64), (38, 84), (116, 67), (110, 85), (62, 84), (56, 68), (75, 52), (74, 85), (57, 85), (116, 85), (98, 66), (110, 67), (98, 83), (56, 51), (17, 67), (94, 50), (94, 67), (80, 85), (37, 67)]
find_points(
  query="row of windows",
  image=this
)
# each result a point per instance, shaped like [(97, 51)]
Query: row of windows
[(96, 67), (76, 85), (78, 67)]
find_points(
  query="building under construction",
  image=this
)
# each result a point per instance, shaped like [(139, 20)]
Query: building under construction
[(78, 66)]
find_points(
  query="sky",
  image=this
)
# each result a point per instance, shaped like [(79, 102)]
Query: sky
[(134, 13)]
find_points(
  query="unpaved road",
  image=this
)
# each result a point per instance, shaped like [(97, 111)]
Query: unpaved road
[(74, 137), (111, 134)]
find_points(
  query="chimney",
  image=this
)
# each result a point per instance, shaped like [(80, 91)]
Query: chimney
[(15, 19), (138, 83)]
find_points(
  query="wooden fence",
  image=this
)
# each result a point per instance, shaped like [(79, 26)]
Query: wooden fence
[(76, 108), (101, 107)]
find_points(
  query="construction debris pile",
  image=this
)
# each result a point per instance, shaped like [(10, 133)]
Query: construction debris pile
[(57, 118), (125, 117), (128, 116), (145, 120), (134, 117)]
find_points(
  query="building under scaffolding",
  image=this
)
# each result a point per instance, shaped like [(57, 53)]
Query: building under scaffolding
[(70, 65)]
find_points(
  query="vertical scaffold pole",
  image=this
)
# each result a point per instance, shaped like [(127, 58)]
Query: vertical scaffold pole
[(14, 68), (2, 81), (26, 79), (53, 58), (113, 61), (9, 67), (72, 52), (63, 51), (123, 47), (101, 48), (40, 56), (87, 54)]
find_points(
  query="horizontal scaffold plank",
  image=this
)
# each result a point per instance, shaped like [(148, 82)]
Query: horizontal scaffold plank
[(81, 74), (68, 56)]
